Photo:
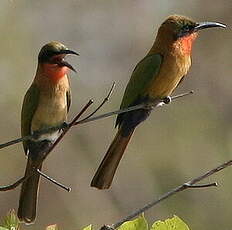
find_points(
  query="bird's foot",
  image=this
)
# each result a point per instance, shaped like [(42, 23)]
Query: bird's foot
[(64, 126), (36, 135), (167, 100)]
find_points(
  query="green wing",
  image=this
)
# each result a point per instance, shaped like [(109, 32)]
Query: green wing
[(30, 104), (145, 71)]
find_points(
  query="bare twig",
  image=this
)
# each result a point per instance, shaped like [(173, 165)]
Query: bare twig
[(68, 189), (75, 121), (188, 185), (155, 103), (55, 128), (15, 141), (100, 106), (31, 137), (14, 185), (68, 127), (214, 184), (44, 156), (182, 95), (65, 128)]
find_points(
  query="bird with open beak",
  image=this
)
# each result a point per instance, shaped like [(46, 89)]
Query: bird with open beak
[(46, 104)]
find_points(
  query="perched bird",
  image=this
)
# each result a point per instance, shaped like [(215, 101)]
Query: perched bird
[(45, 104), (154, 77)]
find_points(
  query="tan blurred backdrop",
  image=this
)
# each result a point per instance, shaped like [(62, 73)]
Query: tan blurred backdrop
[(177, 143)]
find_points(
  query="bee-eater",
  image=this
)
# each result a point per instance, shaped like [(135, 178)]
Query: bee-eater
[(154, 77), (45, 104)]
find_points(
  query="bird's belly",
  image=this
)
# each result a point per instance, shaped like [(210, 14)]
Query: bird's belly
[(168, 78), (51, 111), (164, 86)]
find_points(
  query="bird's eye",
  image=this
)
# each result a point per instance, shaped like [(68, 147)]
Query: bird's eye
[(188, 27)]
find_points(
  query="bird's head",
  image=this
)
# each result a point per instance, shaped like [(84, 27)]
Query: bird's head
[(182, 28), (52, 58)]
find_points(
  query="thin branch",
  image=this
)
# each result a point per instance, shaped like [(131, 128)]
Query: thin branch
[(65, 128), (155, 103), (100, 106), (214, 184), (31, 137), (188, 185), (68, 189), (44, 156), (15, 141), (35, 135), (182, 95), (68, 127), (14, 185)]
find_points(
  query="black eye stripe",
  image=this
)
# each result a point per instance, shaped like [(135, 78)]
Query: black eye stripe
[(45, 56), (188, 27)]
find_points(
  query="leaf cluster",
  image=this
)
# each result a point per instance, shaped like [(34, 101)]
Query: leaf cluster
[(11, 222)]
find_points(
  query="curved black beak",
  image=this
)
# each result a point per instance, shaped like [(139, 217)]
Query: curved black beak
[(68, 52), (205, 25), (65, 63)]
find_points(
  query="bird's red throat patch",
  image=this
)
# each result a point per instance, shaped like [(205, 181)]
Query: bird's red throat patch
[(54, 71), (186, 43)]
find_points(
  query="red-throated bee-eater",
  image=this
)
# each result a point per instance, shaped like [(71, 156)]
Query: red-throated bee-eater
[(154, 77), (46, 104)]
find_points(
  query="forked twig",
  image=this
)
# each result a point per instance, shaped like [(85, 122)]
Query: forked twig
[(188, 185), (89, 118), (44, 156), (100, 106), (66, 127), (155, 103), (55, 128)]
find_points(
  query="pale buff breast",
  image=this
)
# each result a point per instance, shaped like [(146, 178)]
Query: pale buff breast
[(52, 107), (171, 72)]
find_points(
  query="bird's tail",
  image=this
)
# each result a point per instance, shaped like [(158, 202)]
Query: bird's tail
[(28, 195), (105, 173)]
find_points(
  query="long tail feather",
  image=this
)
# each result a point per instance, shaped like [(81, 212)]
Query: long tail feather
[(28, 195), (105, 173)]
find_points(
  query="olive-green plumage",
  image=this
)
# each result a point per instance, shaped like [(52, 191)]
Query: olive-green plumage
[(45, 104), (154, 77)]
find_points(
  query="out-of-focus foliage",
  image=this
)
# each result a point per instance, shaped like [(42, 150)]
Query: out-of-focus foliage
[(176, 143), (10, 221), (88, 227), (174, 223), (140, 223), (52, 227), (2, 228)]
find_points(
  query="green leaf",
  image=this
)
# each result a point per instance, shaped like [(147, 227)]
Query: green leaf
[(52, 227), (174, 223), (2, 228), (10, 221), (138, 224), (86, 228)]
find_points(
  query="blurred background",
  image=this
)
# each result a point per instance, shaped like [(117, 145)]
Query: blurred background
[(178, 142)]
